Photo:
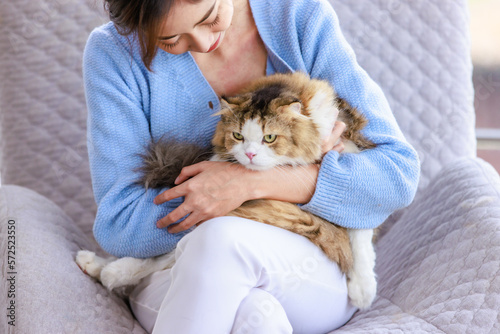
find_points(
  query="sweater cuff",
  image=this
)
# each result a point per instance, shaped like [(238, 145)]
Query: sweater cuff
[(331, 187)]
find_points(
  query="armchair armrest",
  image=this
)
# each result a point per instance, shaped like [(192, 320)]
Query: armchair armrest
[(438, 265), (48, 291)]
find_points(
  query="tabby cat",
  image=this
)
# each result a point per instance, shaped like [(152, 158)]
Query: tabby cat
[(278, 120)]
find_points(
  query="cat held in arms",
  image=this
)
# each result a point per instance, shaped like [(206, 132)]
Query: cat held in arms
[(278, 120)]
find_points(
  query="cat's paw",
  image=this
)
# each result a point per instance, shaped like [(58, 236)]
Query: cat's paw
[(362, 290), (122, 272), (90, 263)]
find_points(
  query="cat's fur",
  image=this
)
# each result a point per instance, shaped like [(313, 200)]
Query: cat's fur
[(294, 113)]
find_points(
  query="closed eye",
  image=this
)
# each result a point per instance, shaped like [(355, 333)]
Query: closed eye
[(170, 45), (215, 22), (173, 45)]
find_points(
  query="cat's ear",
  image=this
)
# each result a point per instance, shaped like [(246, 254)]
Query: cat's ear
[(224, 104), (294, 107), (226, 108)]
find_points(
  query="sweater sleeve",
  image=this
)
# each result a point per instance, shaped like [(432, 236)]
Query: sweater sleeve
[(357, 190), (117, 131)]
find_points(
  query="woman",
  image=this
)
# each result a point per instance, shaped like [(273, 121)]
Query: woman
[(157, 69)]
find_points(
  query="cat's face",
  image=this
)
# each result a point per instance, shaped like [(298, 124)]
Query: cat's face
[(264, 136)]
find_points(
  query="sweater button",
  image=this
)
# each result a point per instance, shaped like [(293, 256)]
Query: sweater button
[(210, 104)]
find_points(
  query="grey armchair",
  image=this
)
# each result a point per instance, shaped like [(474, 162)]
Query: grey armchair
[(438, 260)]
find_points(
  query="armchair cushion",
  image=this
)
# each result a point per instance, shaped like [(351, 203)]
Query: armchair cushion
[(438, 267), (52, 295)]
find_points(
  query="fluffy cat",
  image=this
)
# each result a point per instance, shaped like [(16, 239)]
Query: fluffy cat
[(278, 120)]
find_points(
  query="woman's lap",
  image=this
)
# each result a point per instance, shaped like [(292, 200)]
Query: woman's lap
[(234, 256)]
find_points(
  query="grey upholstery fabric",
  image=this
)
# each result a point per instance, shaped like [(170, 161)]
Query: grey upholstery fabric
[(42, 102), (437, 264)]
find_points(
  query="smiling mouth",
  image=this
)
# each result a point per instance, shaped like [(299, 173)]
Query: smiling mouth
[(215, 44)]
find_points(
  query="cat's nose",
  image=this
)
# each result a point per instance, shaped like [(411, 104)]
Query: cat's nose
[(250, 155)]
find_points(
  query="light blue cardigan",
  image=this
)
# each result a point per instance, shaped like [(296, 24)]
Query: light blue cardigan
[(128, 105)]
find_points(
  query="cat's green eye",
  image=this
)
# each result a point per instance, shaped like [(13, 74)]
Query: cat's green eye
[(270, 138), (237, 136)]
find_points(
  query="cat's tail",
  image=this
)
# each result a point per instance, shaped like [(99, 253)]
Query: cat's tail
[(164, 159), (333, 240)]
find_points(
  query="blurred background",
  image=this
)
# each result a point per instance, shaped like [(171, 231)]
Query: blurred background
[(485, 35)]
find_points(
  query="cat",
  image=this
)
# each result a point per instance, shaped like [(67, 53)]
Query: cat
[(277, 120)]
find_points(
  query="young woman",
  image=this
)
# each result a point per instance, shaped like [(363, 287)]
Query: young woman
[(158, 68)]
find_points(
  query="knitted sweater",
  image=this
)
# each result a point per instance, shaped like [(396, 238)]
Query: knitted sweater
[(128, 106)]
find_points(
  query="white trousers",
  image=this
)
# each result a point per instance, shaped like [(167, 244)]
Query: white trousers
[(234, 275)]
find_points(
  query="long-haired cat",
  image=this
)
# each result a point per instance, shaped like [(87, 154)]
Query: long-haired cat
[(278, 120)]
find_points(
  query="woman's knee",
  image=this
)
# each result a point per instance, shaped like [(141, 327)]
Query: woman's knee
[(261, 312), (221, 233), (217, 238)]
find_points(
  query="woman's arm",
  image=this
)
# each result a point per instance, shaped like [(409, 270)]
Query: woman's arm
[(216, 188), (118, 131), (356, 190)]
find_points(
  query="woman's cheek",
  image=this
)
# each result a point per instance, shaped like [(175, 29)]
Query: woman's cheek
[(226, 16)]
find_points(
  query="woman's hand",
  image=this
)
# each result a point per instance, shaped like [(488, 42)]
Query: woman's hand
[(334, 141), (210, 189)]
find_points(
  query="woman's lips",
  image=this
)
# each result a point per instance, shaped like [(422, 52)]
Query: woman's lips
[(215, 44)]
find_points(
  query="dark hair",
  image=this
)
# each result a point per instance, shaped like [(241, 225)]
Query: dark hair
[(142, 17)]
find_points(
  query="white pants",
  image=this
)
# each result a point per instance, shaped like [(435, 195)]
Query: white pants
[(234, 275)]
